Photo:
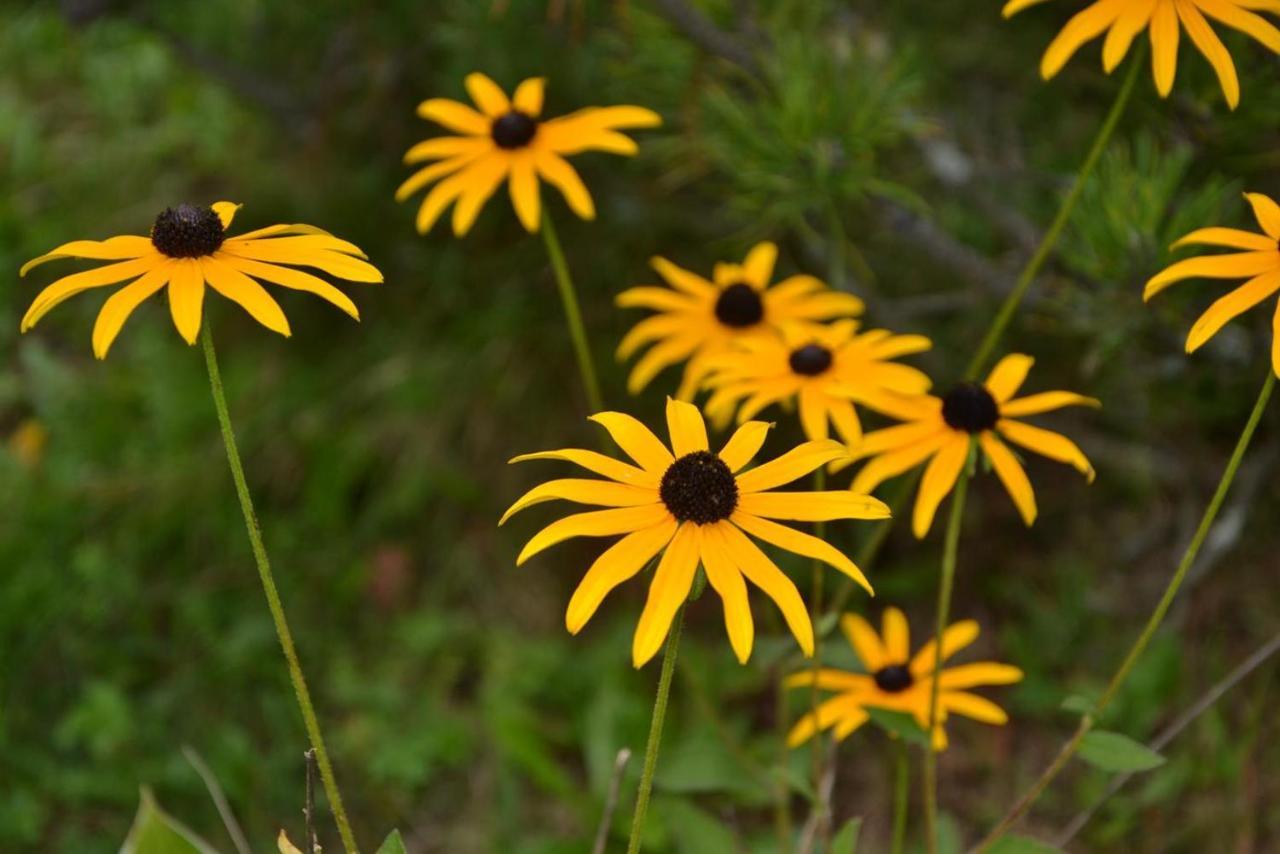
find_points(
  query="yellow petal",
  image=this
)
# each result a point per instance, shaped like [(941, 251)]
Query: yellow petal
[(845, 417), (481, 183), (955, 638), (1045, 401), (662, 356), (894, 463), (938, 480), (682, 279), (744, 444), (1214, 50), (792, 465), (1267, 213), (800, 543), (1047, 443), (973, 706), (897, 438), (658, 299), (297, 280), (759, 263), (727, 581), (226, 212), (444, 194), (813, 413), (598, 463), (1086, 25), (454, 116), (865, 642), (583, 491), (524, 191), (1012, 475), (1234, 15), (647, 331), (813, 506), (529, 95), (120, 248), (897, 635), (763, 573), (301, 243), (1164, 46), (435, 171), (597, 523), (1275, 341), (1008, 376), (284, 846), (116, 310), (1231, 266), (1013, 7), (620, 562), (559, 174), (68, 286), (443, 147), (979, 673), (667, 592), (843, 711), (685, 426), (1131, 21), (333, 263), (828, 679), (186, 297), (636, 440), (487, 95), (1232, 238), (1229, 307), (245, 292)]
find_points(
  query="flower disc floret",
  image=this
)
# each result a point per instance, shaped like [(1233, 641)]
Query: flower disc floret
[(739, 306), (699, 488), (188, 231), (514, 130), (970, 407), (811, 360)]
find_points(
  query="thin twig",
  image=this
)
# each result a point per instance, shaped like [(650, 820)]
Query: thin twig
[(309, 805), (705, 34), (219, 799), (1188, 717), (611, 800)]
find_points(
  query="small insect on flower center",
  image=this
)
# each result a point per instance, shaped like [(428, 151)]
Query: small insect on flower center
[(810, 360), (699, 488), (893, 679), (739, 306), (514, 129), (187, 231), (970, 407)]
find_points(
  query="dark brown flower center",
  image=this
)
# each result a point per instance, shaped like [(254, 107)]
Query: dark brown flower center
[(810, 360), (187, 231), (699, 488), (739, 306), (893, 679), (514, 129), (970, 407)]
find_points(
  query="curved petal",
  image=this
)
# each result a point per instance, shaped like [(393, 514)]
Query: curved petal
[(1267, 212), (894, 463), (333, 263), (116, 310), (813, 506), (800, 543), (226, 212), (647, 331), (865, 642), (757, 268), (480, 184), (813, 413), (596, 523), (1231, 306), (658, 299), (1239, 18), (972, 706), (297, 280), (1164, 46), (524, 191), (445, 147), (744, 444), (620, 562), (122, 248), (727, 581), (68, 286), (245, 292), (763, 573), (792, 465), (559, 174), (1232, 238), (1012, 475), (1008, 376), (938, 480), (667, 592), (1086, 25), (487, 95), (955, 638), (843, 712), (455, 116), (529, 95), (1053, 445), (979, 673), (1208, 43), (661, 356), (682, 279), (828, 679), (300, 243), (685, 426), (1238, 265), (602, 493), (599, 464), (636, 440), (186, 297), (897, 635), (1046, 401), (435, 171), (1130, 22)]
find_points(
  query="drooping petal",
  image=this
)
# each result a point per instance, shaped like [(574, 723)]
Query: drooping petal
[(1013, 7), (487, 95), (636, 440), (596, 523), (1238, 265), (667, 592), (333, 263), (1164, 46), (447, 192), (865, 642), (455, 116), (559, 174), (728, 583), (116, 310), (1267, 212), (297, 280), (792, 465), (973, 706), (898, 437), (598, 463), (800, 543), (1053, 445), (647, 331), (1227, 308), (1131, 21), (1045, 401), (844, 712), (529, 96), (979, 673), (1086, 25), (1012, 475), (68, 286), (813, 413), (658, 299), (845, 417), (897, 635), (685, 426), (661, 356), (828, 679), (1008, 376), (444, 147), (480, 185), (434, 172), (894, 463), (602, 493), (120, 248), (524, 191), (763, 573), (620, 562), (245, 292), (1208, 43), (1237, 17), (955, 638), (939, 478), (813, 506), (744, 444), (186, 297), (1232, 238)]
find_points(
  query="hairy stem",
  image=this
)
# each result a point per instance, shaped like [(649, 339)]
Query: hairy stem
[(572, 316), (655, 732)]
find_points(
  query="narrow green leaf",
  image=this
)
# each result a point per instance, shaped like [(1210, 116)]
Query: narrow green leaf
[(156, 832), (1022, 845), (846, 841), (1112, 751), (899, 724), (393, 844)]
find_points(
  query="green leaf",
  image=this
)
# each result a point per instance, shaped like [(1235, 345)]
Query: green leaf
[(1022, 845), (156, 832), (846, 841), (393, 844), (694, 830), (1112, 751), (900, 724)]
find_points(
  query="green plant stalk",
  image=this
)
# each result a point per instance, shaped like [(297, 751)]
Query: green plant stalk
[(572, 315), (1050, 239), (818, 748), (946, 585), (1087, 722), (273, 596), (782, 791), (655, 732), (901, 788)]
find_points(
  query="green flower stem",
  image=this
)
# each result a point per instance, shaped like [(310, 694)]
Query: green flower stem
[(273, 596), (572, 315), (945, 586), (1050, 239), (655, 732), (782, 790), (1157, 617), (901, 787)]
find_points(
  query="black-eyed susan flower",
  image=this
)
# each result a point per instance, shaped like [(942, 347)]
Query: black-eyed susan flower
[(1259, 263), (699, 319), (189, 249), (825, 370), (1123, 20), (941, 429), (692, 506), (506, 139), (898, 681)]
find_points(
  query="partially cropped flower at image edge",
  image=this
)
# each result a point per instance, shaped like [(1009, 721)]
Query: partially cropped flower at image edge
[(940, 430), (896, 680), (507, 139), (188, 250), (1258, 263), (692, 506)]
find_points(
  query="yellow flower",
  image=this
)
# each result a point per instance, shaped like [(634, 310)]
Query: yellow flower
[(698, 319), (692, 505), (940, 430), (506, 139), (189, 248), (1259, 263), (1123, 20), (900, 682), (826, 368)]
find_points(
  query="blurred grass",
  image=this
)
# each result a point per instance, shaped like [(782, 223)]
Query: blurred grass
[(457, 707)]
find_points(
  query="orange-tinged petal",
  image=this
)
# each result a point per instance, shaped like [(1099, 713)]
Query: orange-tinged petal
[(1232, 305), (1267, 213), (1208, 43), (1164, 46), (979, 673), (524, 191)]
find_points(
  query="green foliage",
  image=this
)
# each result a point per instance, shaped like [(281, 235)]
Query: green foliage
[(155, 832), (1116, 752)]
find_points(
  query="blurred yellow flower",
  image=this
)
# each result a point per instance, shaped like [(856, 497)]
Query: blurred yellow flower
[(506, 140), (1259, 263), (941, 429), (827, 369), (189, 248), (698, 319), (693, 505), (28, 441), (1123, 20), (898, 681)]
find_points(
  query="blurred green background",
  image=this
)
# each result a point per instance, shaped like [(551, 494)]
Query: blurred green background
[(910, 152)]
